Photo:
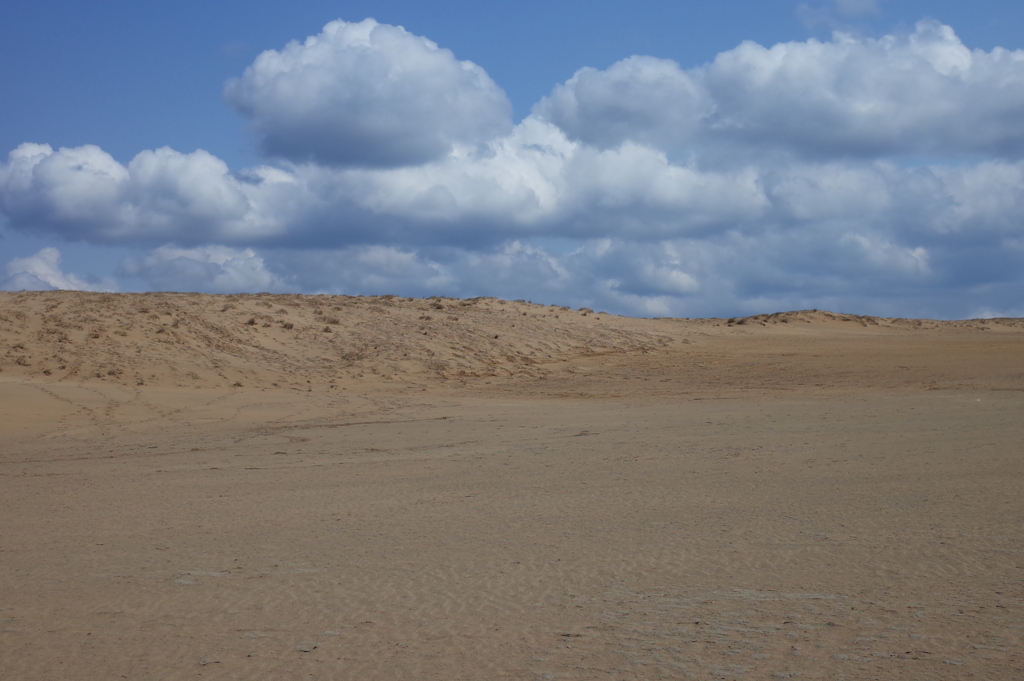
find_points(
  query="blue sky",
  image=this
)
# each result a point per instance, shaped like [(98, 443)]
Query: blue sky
[(648, 158)]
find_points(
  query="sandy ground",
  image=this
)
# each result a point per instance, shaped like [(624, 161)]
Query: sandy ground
[(286, 487)]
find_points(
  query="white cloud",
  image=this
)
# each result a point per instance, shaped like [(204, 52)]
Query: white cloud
[(643, 150), (845, 173), (922, 93), (887, 256), (42, 272), (640, 99), (368, 94), (919, 93), (534, 182), (80, 187), (83, 193), (211, 269)]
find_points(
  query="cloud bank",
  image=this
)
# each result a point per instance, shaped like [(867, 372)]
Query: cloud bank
[(871, 175)]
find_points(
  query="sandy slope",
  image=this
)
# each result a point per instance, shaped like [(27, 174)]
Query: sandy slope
[(441, 489)]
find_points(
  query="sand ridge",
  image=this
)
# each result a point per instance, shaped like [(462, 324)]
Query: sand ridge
[(194, 340), (211, 341), (803, 495)]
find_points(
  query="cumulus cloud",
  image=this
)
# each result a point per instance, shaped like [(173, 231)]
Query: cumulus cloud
[(641, 99), (210, 269), (534, 182), (368, 94), (918, 93), (42, 272), (847, 173), (921, 93), (83, 193)]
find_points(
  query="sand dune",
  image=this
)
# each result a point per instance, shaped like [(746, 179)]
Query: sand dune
[(261, 486), (195, 340)]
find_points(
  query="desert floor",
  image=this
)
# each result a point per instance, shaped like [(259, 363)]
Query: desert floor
[(288, 487)]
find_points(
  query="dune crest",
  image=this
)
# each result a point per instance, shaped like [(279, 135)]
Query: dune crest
[(194, 339), (265, 340)]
